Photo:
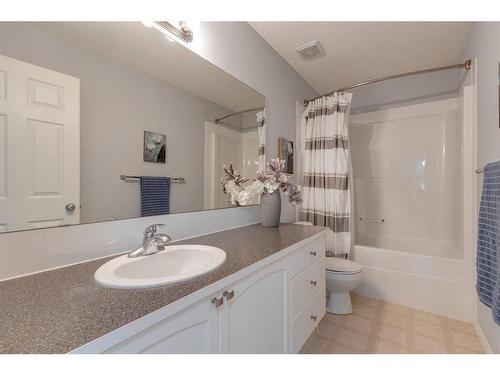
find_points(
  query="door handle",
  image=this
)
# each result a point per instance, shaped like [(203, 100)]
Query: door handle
[(228, 295), (70, 207)]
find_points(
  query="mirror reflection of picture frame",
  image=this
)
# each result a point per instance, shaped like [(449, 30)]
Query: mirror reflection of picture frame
[(285, 152), (155, 147)]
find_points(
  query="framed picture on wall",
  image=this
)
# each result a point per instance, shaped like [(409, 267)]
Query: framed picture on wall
[(285, 151), (155, 147)]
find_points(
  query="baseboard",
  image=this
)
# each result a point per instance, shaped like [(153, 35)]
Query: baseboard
[(482, 338)]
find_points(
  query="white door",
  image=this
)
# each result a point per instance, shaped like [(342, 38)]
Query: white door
[(222, 146), (255, 314), (39, 146), (194, 330)]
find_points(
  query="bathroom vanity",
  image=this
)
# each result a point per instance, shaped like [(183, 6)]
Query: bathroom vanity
[(267, 297)]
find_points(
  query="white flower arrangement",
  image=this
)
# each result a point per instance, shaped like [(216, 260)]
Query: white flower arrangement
[(272, 179)]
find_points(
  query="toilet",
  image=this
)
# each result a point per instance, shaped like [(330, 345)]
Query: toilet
[(342, 276)]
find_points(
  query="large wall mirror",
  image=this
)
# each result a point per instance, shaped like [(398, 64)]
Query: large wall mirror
[(89, 110)]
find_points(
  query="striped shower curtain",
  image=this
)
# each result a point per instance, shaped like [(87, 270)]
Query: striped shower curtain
[(326, 190), (261, 122)]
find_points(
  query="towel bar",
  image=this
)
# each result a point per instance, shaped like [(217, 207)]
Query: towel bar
[(370, 220), (125, 177)]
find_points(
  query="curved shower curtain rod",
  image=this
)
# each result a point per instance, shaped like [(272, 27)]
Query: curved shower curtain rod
[(217, 120), (466, 65)]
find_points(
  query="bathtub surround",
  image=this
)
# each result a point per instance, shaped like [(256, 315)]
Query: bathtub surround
[(326, 192), (483, 44), (407, 173), (398, 162)]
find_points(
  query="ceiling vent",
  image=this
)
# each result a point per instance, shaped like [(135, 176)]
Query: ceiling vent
[(311, 51)]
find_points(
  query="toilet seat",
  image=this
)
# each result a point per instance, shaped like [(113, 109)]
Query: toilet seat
[(342, 266)]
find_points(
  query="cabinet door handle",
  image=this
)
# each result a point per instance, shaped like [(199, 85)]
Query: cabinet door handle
[(314, 317), (218, 301), (228, 295), (314, 282), (313, 253)]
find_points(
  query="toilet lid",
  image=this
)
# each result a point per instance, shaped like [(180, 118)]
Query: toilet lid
[(342, 265)]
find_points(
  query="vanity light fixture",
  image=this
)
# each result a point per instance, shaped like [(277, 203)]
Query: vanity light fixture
[(173, 30)]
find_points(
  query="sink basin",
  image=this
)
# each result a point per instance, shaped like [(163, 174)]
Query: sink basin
[(174, 264)]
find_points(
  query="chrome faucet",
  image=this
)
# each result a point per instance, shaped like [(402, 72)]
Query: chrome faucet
[(152, 242)]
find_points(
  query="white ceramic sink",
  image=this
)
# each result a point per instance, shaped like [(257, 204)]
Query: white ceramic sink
[(174, 264)]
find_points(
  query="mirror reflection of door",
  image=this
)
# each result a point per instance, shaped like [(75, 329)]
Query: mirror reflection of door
[(39, 147), (222, 146)]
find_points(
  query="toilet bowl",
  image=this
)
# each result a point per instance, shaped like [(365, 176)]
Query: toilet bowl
[(342, 275)]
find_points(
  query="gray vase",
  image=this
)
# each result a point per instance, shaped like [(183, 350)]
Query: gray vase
[(270, 209)]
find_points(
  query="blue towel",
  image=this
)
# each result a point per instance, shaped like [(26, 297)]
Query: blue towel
[(487, 261), (155, 195)]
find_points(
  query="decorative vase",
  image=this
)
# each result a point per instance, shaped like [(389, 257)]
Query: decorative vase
[(270, 209)]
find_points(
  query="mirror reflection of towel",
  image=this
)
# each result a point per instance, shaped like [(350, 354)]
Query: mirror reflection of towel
[(155, 195)]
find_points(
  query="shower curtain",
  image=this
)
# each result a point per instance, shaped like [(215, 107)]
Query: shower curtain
[(326, 168), (261, 122)]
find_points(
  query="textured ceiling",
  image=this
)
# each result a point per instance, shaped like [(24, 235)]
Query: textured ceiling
[(359, 51), (147, 50)]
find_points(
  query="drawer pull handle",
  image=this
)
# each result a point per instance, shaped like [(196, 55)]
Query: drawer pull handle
[(314, 317), (313, 253), (314, 282), (218, 301), (228, 295)]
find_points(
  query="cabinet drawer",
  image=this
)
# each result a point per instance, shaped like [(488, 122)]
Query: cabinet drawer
[(306, 284), (304, 324), (307, 255)]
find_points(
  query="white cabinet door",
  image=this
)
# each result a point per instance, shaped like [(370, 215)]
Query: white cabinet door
[(39, 146), (255, 318), (194, 330)]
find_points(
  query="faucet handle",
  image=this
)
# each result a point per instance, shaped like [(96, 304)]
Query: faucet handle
[(151, 229)]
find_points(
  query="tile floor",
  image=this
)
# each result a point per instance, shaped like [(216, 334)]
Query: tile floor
[(378, 327)]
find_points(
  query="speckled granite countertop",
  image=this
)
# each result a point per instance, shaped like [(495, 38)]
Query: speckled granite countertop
[(60, 310)]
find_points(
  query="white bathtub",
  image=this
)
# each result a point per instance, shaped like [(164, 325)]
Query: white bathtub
[(436, 284)]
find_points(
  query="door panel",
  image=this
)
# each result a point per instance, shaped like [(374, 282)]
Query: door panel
[(40, 146), (45, 94), (46, 156)]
